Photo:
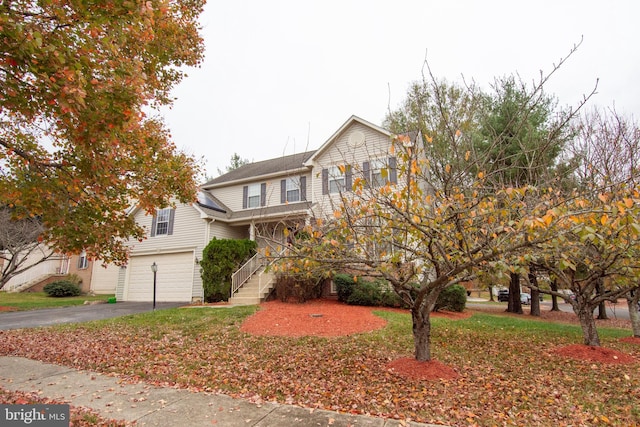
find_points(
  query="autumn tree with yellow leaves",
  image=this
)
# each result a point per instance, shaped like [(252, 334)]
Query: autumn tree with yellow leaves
[(415, 237)]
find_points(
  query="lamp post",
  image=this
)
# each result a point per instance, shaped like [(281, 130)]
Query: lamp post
[(154, 268)]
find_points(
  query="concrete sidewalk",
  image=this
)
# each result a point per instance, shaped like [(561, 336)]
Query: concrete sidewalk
[(155, 406)]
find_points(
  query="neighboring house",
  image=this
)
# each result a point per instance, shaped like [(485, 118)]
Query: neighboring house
[(56, 267), (258, 201)]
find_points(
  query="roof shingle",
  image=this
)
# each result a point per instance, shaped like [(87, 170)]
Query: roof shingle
[(265, 167)]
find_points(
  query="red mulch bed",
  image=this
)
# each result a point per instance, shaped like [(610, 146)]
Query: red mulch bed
[(413, 369), (631, 340), (594, 354), (322, 318), (330, 318), (5, 308), (581, 351)]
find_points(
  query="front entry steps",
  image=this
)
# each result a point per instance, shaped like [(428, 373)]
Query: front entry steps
[(249, 293)]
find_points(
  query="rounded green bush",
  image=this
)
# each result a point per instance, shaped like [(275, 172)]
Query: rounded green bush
[(62, 288), (344, 286), (220, 259), (453, 298)]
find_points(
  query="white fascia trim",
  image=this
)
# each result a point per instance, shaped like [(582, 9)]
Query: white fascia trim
[(282, 174), (162, 251)]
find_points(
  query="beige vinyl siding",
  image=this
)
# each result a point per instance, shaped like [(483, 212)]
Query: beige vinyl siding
[(188, 229), (232, 195), (376, 146), (220, 230)]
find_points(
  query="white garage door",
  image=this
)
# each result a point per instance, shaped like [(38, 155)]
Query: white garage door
[(174, 279), (104, 280)]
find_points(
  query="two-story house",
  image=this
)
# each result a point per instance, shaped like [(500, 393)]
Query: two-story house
[(257, 201)]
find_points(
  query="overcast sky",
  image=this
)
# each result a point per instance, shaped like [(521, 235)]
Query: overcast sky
[(280, 77)]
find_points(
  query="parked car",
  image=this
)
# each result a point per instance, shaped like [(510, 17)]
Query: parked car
[(525, 298), (503, 295)]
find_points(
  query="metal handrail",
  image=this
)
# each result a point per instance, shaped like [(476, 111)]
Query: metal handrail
[(246, 271), (269, 280)]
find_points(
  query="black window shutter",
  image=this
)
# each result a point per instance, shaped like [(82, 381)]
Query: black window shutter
[(366, 172), (348, 181), (245, 195), (263, 194), (283, 191), (303, 188), (325, 181), (393, 172), (153, 225), (172, 217)]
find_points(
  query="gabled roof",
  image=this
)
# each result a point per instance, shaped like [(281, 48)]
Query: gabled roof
[(251, 171), (331, 140)]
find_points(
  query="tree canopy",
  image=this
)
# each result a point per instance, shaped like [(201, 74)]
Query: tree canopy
[(478, 189), (78, 140)]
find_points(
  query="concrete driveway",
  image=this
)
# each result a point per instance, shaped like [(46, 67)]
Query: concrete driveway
[(81, 313)]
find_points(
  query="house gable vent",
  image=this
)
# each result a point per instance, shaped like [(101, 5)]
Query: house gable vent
[(356, 139)]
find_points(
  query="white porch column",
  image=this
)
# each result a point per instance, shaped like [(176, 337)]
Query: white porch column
[(252, 232)]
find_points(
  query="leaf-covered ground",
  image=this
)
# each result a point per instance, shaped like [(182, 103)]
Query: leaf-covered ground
[(79, 417), (508, 372)]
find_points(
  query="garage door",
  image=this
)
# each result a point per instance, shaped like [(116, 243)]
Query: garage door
[(174, 279), (104, 280)]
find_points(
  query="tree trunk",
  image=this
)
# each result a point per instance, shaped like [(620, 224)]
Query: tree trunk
[(491, 293), (421, 334), (535, 295), (554, 299), (588, 325), (602, 307), (634, 315), (514, 306)]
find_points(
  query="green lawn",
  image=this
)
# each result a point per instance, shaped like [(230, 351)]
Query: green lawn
[(36, 300), (508, 373)]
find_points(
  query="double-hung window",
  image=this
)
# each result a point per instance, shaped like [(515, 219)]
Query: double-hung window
[(83, 261), (379, 173), (336, 179), (253, 196), (293, 189), (162, 221)]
